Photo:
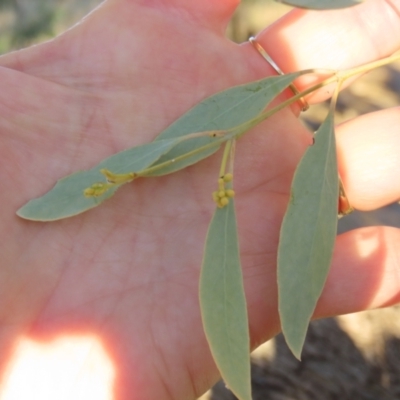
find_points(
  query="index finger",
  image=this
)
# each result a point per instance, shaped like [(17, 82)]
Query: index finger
[(333, 39)]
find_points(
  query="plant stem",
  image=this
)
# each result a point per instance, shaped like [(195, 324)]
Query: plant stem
[(225, 157), (157, 167), (346, 74)]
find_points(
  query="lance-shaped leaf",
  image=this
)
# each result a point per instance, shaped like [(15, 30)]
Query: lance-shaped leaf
[(223, 303), (221, 112), (308, 235), (169, 152), (67, 199), (321, 4)]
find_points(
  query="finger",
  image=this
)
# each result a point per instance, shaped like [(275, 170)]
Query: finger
[(368, 153), (335, 39), (365, 272)]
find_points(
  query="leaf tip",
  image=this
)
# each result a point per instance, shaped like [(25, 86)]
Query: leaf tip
[(296, 353), (20, 213), (24, 213), (295, 347)]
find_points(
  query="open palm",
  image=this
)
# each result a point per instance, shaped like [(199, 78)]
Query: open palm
[(127, 272)]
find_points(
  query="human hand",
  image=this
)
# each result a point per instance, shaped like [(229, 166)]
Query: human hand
[(126, 274)]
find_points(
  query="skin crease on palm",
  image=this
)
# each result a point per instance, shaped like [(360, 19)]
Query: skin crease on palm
[(127, 272)]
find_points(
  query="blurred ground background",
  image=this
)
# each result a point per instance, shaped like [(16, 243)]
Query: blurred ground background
[(350, 357)]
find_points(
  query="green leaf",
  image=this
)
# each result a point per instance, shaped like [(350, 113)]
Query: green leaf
[(308, 235), (170, 151), (223, 303), (66, 198), (321, 4), (222, 111)]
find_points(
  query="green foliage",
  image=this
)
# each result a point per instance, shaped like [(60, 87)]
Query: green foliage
[(32, 21), (196, 135), (227, 110), (223, 304), (321, 4), (29, 28), (67, 198), (5, 3), (308, 235), (33, 18)]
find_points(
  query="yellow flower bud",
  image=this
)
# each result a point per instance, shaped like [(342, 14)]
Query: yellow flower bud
[(89, 192), (97, 189), (117, 178), (224, 201), (221, 193), (228, 177)]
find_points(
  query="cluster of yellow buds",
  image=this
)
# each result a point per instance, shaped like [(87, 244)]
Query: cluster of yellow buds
[(222, 195), (99, 188), (96, 190), (118, 178)]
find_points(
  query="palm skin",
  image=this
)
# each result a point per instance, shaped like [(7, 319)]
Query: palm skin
[(128, 271)]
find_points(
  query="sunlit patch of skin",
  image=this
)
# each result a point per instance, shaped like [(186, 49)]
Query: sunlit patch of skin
[(70, 367)]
